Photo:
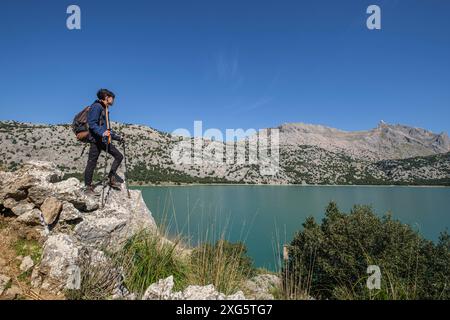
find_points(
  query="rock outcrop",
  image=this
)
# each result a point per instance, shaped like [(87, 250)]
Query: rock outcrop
[(68, 222), (163, 290)]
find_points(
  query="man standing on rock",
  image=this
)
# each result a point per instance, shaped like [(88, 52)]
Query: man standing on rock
[(98, 139)]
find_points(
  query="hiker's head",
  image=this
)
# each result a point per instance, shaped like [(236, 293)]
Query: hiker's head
[(106, 96)]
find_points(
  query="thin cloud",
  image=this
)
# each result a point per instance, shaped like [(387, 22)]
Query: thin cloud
[(228, 70)]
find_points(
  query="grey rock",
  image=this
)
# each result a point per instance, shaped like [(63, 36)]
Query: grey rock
[(4, 281), (16, 188), (59, 259), (69, 213), (9, 203), (70, 190), (100, 231), (22, 207), (13, 292), (31, 218), (162, 290), (27, 264), (200, 293), (37, 194)]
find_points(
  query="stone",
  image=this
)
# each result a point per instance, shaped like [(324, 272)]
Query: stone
[(60, 257), (27, 264), (100, 231), (51, 209), (37, 194), (31, 218), (201, 293), (13, 293), (70, 190), (162, 290), (69, 213), (16, 188), (42, 171), (22, 207), (9, 203), (4, 282), (237, 296)]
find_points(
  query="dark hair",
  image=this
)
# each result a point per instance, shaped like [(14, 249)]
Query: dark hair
[(103, 93)]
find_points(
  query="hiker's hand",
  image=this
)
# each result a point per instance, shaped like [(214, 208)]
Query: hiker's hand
[(106, 133)]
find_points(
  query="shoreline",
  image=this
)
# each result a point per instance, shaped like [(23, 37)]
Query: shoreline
[(284, 185)]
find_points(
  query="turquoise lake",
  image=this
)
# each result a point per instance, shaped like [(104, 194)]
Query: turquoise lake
[(266, 217)]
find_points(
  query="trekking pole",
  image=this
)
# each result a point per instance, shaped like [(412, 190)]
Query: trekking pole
[(126, 170), (108, 141)]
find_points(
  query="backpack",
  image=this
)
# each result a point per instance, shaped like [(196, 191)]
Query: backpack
[(80, 125)]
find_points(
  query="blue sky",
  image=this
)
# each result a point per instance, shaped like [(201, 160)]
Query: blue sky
[(231, 64)]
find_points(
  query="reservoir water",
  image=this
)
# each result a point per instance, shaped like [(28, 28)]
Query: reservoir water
[(266, 217)]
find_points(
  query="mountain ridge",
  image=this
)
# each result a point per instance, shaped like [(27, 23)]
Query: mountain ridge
[(386, 154)]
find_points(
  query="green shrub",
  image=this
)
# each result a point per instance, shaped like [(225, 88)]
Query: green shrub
[(146, 258), (330, 260), (224, 264)]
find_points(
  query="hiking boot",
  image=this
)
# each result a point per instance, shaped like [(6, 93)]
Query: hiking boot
[(90, 191), (113, 183)]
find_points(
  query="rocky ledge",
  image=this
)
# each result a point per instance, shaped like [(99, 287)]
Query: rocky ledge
[(73, 228)]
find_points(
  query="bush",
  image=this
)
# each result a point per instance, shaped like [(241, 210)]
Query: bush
[(224, 264), (145, 258), (98, 280), (330, 260)]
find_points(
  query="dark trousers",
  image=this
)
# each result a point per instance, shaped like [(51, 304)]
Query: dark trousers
[(94, 153)]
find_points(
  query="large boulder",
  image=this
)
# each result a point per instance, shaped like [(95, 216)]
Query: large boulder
[(100, 231), (118, 220), (60, 260)]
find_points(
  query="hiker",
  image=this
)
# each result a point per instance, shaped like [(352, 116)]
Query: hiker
[(98, 139)]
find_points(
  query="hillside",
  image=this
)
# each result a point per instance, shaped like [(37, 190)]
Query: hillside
[(309, 154)]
